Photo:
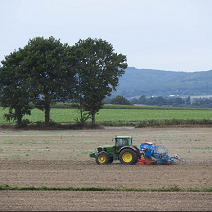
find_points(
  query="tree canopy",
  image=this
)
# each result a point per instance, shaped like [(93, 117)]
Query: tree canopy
[(120, 100), (98, 72), (50, 70), (14, 87), (46, 71)]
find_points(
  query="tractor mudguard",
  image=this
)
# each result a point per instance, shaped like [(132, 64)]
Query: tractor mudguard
[(137, 152), (128, 147)]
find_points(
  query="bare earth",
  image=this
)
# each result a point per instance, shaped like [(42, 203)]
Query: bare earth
[(61, 159)]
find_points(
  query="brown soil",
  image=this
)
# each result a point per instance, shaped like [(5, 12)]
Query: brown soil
[(60, 159)]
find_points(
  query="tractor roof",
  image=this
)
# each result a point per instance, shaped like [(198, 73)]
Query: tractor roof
[(123, 136)]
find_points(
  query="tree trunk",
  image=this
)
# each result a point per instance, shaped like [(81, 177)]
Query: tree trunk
[(47, 111), (93, 117), (81, 114), (19, 116), (81, 108)]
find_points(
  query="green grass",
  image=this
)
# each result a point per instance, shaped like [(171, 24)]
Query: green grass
[(46, 188), (136, 115), (129, 114)]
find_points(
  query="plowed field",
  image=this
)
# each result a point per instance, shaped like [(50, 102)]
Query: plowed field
[(61, 159)]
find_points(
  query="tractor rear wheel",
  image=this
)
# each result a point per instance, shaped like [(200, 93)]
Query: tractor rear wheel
[(102, 158), (128, 157)]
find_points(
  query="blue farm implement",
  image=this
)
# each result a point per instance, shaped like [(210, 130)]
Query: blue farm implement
[(157, 154)]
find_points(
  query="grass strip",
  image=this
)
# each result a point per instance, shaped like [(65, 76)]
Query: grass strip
[(49, 188), (99, 125)]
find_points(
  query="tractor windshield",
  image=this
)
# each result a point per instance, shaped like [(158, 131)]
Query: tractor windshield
[(123, 141)]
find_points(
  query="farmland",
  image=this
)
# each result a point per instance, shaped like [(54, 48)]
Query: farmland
[(51, 169), (123, 114), (58, 160)]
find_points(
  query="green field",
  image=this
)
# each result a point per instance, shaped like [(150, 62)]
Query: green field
[(133, 114)]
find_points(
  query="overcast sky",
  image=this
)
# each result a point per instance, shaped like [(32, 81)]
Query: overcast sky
[(171, 35)]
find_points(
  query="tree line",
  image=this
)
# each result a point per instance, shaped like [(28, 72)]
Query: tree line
[(175, 101), (162, 101), (47, 71)]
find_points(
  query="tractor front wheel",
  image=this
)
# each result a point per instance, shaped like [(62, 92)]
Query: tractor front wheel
[(102, 158), (128, 157)]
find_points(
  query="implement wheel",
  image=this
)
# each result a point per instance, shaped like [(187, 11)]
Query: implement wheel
[(128, 157), (176, 161), (182, 161), (102, 158), (179, 161)]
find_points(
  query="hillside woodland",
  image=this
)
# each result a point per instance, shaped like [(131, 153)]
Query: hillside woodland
[(150, 82)]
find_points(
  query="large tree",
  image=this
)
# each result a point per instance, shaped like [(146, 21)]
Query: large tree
[(98, 71), (120, 100), (14, 88), (51, 77), (41, 72)]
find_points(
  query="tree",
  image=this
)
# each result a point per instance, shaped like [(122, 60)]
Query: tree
[(14, 87), (41, 72), (98, 71), (51, 76), (142, 99), (120, 100), (179, 100), (160, 101), (134, 101), (188, 100)]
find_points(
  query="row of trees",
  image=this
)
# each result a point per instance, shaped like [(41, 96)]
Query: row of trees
[(202, 103), (46, 71), (161, 101), (156, 101)]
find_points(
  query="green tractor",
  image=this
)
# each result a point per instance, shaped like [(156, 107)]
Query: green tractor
[(123, 151)]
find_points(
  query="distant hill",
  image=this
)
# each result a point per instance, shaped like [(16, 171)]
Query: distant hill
[(150, 82)]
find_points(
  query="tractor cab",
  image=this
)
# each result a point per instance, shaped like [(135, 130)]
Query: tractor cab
[(121, 141)]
